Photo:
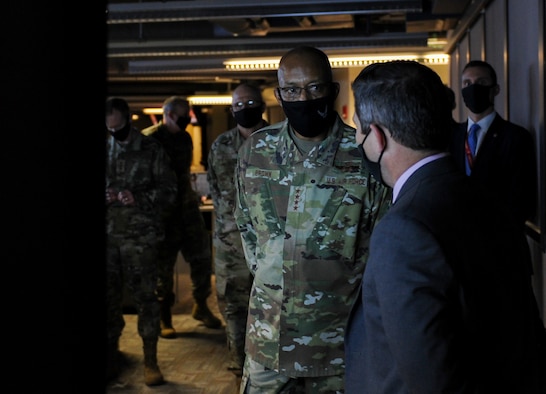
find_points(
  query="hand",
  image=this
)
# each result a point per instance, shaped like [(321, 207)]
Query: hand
[(126, 197), (111, 196)]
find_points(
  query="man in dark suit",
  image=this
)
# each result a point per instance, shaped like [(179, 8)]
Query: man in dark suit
[(444, 307), (504, 161)]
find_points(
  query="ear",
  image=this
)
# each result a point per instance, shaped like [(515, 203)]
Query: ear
[(276, 92), (380, 135)]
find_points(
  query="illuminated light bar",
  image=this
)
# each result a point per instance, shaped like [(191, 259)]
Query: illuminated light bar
[(335, 61), (210, 100), (153, 111), (195, 100), (252, 64)]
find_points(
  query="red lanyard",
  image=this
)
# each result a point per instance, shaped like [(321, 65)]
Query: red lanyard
[(468, 152)]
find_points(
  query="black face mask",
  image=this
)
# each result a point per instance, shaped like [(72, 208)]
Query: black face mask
[(373, 167), (123, 133), (476, 97), (312, 117), (248, 117), (183, 122)]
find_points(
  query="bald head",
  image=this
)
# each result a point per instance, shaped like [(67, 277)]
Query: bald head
[(306, 61), (245, 92), (307, 92)]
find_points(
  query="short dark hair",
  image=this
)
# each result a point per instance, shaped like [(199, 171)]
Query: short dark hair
[(119, 104), (481, 63), (409, 99), (173, 101)]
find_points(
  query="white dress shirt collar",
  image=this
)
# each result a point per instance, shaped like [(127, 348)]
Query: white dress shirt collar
[(406, 174)]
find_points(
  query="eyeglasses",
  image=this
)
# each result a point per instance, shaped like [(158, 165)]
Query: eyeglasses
[(314, 90), (249, 104)]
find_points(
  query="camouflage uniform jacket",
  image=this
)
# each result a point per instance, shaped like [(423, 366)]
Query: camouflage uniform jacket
[(179, 148), (142, 167), (222, 160), (305, 222)]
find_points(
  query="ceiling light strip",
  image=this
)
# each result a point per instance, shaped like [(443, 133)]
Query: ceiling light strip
[(213, 99), (336, 62), (210, 100)]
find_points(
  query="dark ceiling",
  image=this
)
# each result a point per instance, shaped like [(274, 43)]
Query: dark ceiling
[(157, 48)]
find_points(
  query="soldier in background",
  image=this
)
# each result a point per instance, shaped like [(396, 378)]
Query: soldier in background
[(139, 186), (305, 210), (233, 278), (186, 231)]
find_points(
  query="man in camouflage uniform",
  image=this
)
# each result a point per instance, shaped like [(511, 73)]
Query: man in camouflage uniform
[(139, 186), (233, 278), (186, 231), (305, 210)]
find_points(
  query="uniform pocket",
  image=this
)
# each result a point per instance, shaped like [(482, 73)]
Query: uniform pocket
[(335, 233)]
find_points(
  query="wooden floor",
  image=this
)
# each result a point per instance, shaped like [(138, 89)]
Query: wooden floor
[(192, 363)]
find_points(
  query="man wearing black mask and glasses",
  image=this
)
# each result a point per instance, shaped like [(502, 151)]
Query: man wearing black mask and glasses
[(305, 210), (186, 230)]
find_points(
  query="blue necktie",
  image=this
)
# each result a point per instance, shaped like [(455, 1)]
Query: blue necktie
[(472, 143)]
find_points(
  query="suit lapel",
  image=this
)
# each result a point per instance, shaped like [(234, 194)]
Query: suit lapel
[(491, 141)]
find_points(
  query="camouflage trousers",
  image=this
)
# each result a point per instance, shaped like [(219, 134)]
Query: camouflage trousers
[(186, 233), (233, 284), (131, 262), (258, 379)]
